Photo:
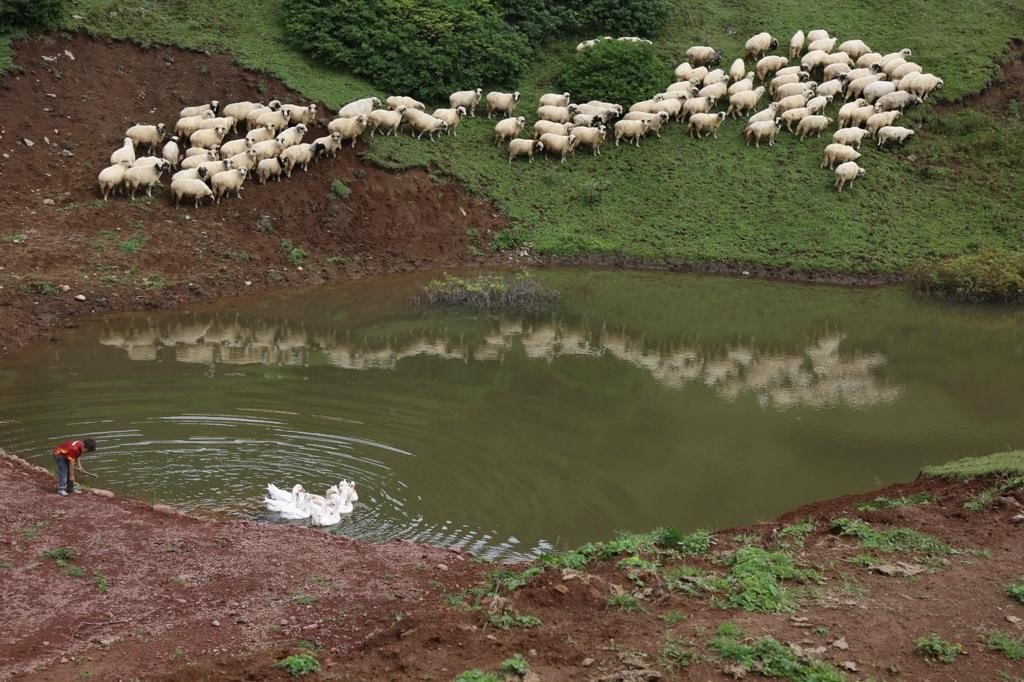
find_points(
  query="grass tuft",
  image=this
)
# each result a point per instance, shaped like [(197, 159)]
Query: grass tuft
[(883, 502), (972, 467), (299, 665), (755, 583), (1016, 590), (934, 648), (1008, 646), (768, 657), (895, 540)]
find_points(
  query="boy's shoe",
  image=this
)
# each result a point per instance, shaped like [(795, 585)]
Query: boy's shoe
[(62, 493), (77, 490)]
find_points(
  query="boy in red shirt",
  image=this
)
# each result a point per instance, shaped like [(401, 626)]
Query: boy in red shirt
[(66, 456)]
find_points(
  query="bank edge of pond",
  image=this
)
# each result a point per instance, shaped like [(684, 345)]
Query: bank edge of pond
[(152, 591)]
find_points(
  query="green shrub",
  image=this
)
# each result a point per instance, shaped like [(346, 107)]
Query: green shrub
[(36, 15), (299, 665), (516, 665), (538, 20), (614, 71), (934, 648), (425, 48), (1016, 590), (986, 276), (1008, 646), (340, 189)]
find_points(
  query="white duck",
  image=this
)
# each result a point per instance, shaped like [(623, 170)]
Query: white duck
[(322, 500), (276, 493), (340, 503), (300, 510), (353, 496)]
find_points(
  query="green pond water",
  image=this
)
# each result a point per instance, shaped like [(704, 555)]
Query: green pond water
[(646, 399)]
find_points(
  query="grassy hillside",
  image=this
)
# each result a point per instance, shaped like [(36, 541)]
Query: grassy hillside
[(954, 189)]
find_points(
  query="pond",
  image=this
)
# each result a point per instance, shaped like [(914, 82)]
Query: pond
[(645, 399)]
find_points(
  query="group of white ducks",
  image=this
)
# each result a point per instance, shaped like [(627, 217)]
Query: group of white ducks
[(321, 510)]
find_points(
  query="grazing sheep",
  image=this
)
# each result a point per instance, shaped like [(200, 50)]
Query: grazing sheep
[(700, 55), (715, 76), (695, 105), (861, 115), (554, 100), (197, 160), (329, 143), (396, 101), (270, 168), (150, 160), (590, 135), (635, 39), (796, 44), (817, 34), (812, 125), (744, 84), (824, 44), (228, 180), (893, 64), (421, 122), (211, 168), (738, 70), (299, 114), (790, 89), (502, 102), (833, 71), (818, 104), (846, 112), (924, 84), (267, 149), (522, 147), (756, 46), (261, 134), (902, 54), (767, 114), (201, 151), (586, 120), (830, 88), (646, 105), (617, 108), (791, 116), (556, 114), (171, 152), (791, 70), (244, 160), (854, 74), (896, 100), (838, 153), (361, 106), (508, 128), (563, 144), (149, 135), (352, 128), (813, 59), (126, 152), (192, 173), (836, 58), (225, 121), (673, 106), (851, 137), (189, 124), (904, 70), (542, 127), (590, 43), (907, 81), (744, 101), (869, 59), (385, 119), (213, 107), (144, 176), (846, 173), (698, 74), (769, 65), (299, 155), (758, 130), (654, 121), (278, 119), (791, 102), (207, 137), (714, 92), (288, 136), (874, 91), (701, 124), (683, 71), (601, 112), (855, 88), (466, 98), (232, 147), (630, 130), (887, 134), (240, 111), (190, 188), (111, 177)]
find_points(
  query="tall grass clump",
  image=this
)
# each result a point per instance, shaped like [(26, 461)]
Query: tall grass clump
[(509, 292), (986, 276)]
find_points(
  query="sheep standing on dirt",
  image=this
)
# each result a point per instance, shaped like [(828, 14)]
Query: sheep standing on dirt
[(700, 55), (453, 117), (287, 138), (300, 114), (563, 144), (385, 119), (279, 119), (207, 137), (702, 124), (126, 152), (240, 111), (211, 168), (149, 135), (554, 100), (744, 101), (254, 115), (756, 46), (593, 136), (261, 134), (758, 130), (228, 181), (245, 160), (887, 134), (190, 188), (111, 177), (468, 99), (144, 176), (187, 125), (508, 128), (838, 153), (630, 131), (522, 147), (349, 128), (299, 155), (360, 106), (846, 173), (329, 143), (267, 149), (196, 160), (812, 125), (213, 107), (421, 122), (172, 152), (796, 45), (190, 173), (502, 102), (851, 137), (270, 168)]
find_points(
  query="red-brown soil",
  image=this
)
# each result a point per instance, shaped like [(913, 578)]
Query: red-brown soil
[(197, 599), (994, 99)]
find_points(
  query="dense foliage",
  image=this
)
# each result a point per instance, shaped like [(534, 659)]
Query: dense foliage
[(987, 276), (615, 71), (37, 15), (424, 48), (540, 20)]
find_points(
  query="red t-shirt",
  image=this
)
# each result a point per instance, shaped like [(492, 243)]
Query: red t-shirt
[(70, 450)]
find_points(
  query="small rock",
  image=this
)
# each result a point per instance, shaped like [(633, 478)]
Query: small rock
[(561, 589), (49, 202), (841, 644), (181, 601), (492, 638), (900, 568), (737, 672), (441, 567), (455, 549), (1006, 503), (531, 676), (1014, 619), (69, 55), (631, 660), (532, 653), (311, 626), (101, 492), (45, 643), (66, 152), (1018, 518), (48, 58), (63, 660), (215, 623), (65, 287), (81, 297), (746, 272), (850, 666), (27, 142), (248, 282), (587, 662)]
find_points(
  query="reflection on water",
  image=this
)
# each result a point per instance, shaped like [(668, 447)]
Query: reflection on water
[(820, 376)]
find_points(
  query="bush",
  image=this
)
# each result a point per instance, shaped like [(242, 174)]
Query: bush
[(986, 276), (538, 20), (424, 48), (614, 71), (36, 15)]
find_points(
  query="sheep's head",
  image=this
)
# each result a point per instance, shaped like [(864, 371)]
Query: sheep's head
[(515, 96), (939, 84), (572, 141), (228, 164), (301, 128), (274, 104), (201, 171), (460, 112), (362, 119), (311, 108), (479, 91), (207, 114), (778, 122), (861, 172), (125, 162), (720, 116), (221, 130), (774, 44), (214, 105), (174, 138), (573, 108), (251, 153), (243, 173), (663, 115), (375, 102), (906, 52), (336, 137), (569, 126), (521, 121), (287, 114), (538, 146)]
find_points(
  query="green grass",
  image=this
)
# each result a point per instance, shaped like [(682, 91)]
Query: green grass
[(476, 675), (507, 620), (623, 602), (676, 653), (683, 200), (934, 648), (515, 665), (985, 498), (1011, 462), (894, 540), (63, 556), (1016, 590), (883, 502), (756, 580), (768, 657), (299, 665), (1008, 646)]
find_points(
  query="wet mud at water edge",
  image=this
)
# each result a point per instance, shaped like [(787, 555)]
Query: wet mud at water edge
[(645, 399)]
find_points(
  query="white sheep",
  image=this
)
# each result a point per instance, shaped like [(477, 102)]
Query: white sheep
[(683, 71), (586, 120), (645, 105), (714, 92), (744, 84), (695, 105), (562, 144), (396, 101), (715, 76), (699, 55), (225, 121), (148, 160), (851, 137), (756, 46), (791, 70), (630, 130), (207, 137), (846, 173), (299, 155), (907, 81), (541, 127), (196, 160), (701, 124), (795, 115), (758, 130), (654, 121), (329, 143), (261, 134), (554, 99), (557, 114), (385, 119), (227, 181), (468, 99), (874, 91), (267, 149), (360, 106), (813, 59), (603, 113), (508, 128), (860, 116), (738, 70), (590, 135), (287, 137), (300, 114), (855, 88), (830, 88), (126, 152), (854, 74), (149, 135), (698, 74), (744, 101), (818, 104), (796, 45), (352, 128), (192, 173), (836, 58), (766, 114), (211, 168), (634, 39), (617, 108), (190, 188), (892, 65), (847, 110), (817, 34), (171, 152), (240, 110), (270, 168), (791, 102), (769, 65), (111, 177), (839, 153), (673, 106), (823, 44), (887, 134), (144, 176), (421, 122), (812, 125), (896, 100), (502, 102), (854, 48), (213, 107), (901, 55), (244, 160), (279, 119), (189, 124), (869, 59), (254, 115), (453, 117), (201, 151), (790, 89), (833, 71), (523, 147), (924, 84)]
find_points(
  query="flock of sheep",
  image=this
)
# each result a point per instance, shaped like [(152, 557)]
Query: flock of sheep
[(881, 87)]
